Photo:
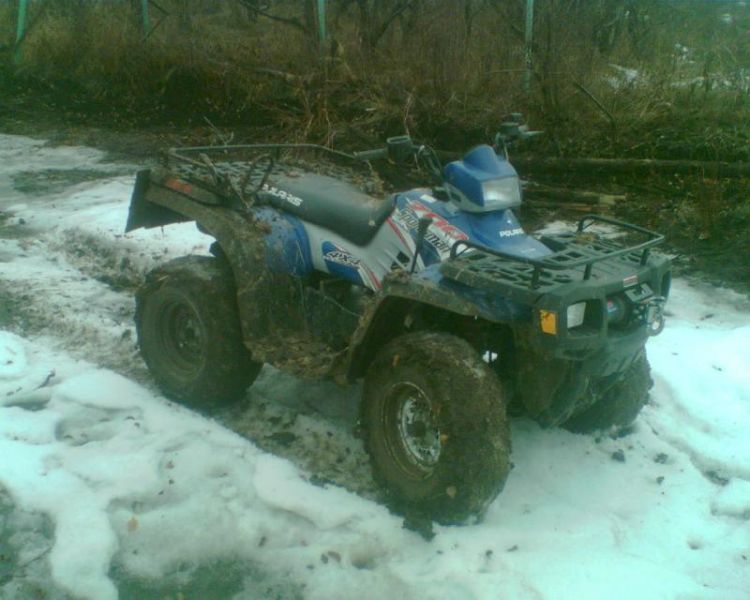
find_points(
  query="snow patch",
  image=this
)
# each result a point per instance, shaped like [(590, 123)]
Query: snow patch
[(140, 491)]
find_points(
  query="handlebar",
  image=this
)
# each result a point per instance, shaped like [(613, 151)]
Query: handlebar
[(371, 154), (399, 149)]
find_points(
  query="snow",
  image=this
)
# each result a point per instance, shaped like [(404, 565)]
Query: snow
[(623, 77), (144, 498), (559, 226), (687, 73)]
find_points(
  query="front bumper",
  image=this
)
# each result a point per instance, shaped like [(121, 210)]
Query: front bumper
[(639, 291), (551, 388)]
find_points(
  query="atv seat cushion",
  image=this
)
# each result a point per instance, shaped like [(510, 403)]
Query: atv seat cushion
[(331, 203)]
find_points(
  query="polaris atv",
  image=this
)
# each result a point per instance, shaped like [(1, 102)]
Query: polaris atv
[(452, 314)]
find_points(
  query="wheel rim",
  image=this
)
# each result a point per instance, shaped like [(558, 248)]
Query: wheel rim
[(181, 337), (413, 434)]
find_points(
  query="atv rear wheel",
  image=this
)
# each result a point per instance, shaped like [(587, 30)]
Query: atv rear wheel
[(435, 427), (189, 332), (619, 404)]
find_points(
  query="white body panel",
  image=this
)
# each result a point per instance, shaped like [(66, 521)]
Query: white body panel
[(392, 247)]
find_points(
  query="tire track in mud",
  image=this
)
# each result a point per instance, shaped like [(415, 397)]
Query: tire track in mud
[(50, 299)]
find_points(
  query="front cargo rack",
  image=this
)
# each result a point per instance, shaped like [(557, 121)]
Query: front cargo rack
[(576, 255)]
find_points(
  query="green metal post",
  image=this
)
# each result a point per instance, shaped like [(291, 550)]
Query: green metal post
[(528, 43), (322, 21), (146, 20), (20, 29)]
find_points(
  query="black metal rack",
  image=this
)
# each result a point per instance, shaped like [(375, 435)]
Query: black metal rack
[(519, 276), (239, 171), (187, 154)]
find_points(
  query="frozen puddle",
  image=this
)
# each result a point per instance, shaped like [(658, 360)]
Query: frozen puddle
[(108, 490)]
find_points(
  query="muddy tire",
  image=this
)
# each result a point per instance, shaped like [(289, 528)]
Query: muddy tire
[(189, 332), (435, 427), (619, 404)]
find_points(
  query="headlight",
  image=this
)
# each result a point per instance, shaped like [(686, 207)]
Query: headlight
[(575, 314), (501, 193)]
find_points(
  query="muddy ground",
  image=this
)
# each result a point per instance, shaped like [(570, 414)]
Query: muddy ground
[(335, 458), (317, 437), (272, 425), (661, 204)]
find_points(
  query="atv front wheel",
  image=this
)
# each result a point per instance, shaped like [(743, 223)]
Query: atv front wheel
[(619, 404), (189, 332), (435, 427)]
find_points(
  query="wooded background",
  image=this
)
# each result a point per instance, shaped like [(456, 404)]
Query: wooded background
[(636, 78)]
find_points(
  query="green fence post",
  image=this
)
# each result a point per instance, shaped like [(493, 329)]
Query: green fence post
[(20, 29), (322, 21), (528, 45), (144, 15)]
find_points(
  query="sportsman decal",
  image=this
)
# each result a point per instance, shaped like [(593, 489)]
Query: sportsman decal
[(341, 257), (440, 236), (343, 263)]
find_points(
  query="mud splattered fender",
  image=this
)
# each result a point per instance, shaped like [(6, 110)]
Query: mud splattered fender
[(159, 201), (403, 292)]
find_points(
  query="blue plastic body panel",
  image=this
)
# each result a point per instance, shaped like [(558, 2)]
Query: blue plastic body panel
[(489, 305), (498, 229), (477, 166), (287, 244)]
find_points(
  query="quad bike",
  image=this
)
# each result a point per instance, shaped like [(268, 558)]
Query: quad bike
[(452, 314)]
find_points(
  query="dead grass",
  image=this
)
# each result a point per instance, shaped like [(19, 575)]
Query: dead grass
[(443, 71)]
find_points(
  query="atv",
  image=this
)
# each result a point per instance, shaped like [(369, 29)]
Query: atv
[(453, 315)]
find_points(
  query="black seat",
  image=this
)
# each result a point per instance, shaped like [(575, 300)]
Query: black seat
[(330, 203)]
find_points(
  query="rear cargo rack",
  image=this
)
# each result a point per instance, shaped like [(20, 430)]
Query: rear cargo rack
[(240, 171), (194, 154), (488, 267)]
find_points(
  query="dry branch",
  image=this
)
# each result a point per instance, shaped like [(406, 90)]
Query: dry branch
[(564, 195), (574, 206), (632, 166)]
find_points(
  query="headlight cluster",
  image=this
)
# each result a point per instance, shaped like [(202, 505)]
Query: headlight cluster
[(574, 317), (501, 193), (576, 313)]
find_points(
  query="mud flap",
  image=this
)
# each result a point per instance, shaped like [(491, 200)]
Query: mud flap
[(553, 390), (549, 389), (568, 396), (143, 213)]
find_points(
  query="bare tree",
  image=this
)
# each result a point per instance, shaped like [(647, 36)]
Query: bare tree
[(375, 17), (298, 15)]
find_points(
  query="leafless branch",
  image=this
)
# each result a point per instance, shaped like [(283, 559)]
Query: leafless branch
[(262, 9)]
